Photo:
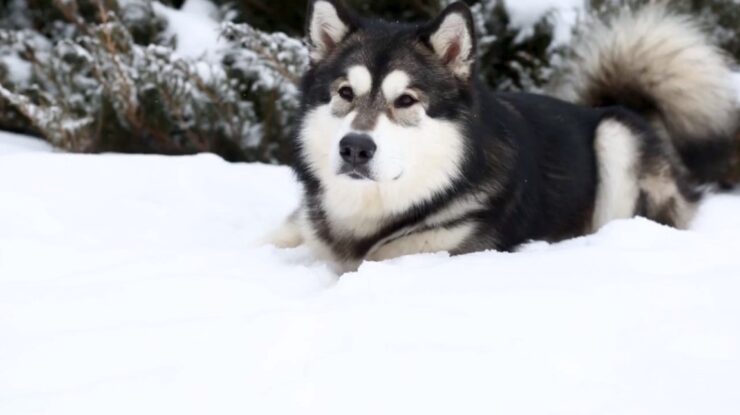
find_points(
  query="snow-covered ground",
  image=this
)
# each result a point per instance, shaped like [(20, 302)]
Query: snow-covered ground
[(128, 286), (11, 143)]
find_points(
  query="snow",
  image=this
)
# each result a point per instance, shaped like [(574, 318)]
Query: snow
[(564, 14), (195, 28), (19, 71), (11, 143), (200, 7), (128, 284), (736, 79)]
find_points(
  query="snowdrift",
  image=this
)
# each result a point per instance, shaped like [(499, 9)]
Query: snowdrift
[(128, 285)]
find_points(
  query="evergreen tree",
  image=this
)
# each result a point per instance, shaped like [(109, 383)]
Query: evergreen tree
[(103, 75)]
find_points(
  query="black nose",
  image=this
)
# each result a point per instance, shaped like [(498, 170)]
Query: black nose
[(357, 149)]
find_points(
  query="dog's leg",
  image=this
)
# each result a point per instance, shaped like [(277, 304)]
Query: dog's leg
[(618, 163), (665, 199), (288, 235), (429, 241), (639, 175)]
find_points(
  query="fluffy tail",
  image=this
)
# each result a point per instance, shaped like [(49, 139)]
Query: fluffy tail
[(661, 65)]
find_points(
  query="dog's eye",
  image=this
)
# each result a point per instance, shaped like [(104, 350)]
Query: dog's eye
[(405, 101), (346, 93)]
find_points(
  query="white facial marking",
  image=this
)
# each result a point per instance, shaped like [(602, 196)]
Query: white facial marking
[(325, 22), (411, 164), (394, 84), (360, 80), (321, 132)]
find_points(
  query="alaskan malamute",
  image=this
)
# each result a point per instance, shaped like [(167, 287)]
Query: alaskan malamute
[(402, 149)]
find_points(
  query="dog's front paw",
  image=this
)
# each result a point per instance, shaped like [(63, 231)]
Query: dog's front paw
[(288, 235)]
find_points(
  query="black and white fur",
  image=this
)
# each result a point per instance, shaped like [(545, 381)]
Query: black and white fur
[(401, 149)]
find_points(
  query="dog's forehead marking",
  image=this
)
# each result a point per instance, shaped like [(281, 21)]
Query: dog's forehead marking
[(395, 83), (360, 79)]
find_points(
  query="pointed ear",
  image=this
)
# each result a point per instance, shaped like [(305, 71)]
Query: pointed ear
[(452, 38), (328, 23)]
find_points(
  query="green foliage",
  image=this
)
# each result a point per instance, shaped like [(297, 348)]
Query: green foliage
[(510, 59), (288, 16), (108, 86), (104, 77)]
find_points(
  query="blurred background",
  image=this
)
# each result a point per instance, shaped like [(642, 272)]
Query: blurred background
[(181, 77)]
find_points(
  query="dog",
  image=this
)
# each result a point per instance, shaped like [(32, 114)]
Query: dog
[(401, 149)]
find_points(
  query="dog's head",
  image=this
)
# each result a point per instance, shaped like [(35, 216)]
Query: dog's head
[(384, 102)]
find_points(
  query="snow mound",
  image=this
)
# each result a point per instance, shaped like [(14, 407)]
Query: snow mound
[(11, 143), (127, 285)]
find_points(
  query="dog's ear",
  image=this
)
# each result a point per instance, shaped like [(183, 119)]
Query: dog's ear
[(328, 22), (452, 38)]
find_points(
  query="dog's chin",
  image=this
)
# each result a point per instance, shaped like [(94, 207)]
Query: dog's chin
[(361, 174), (355, 173)]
